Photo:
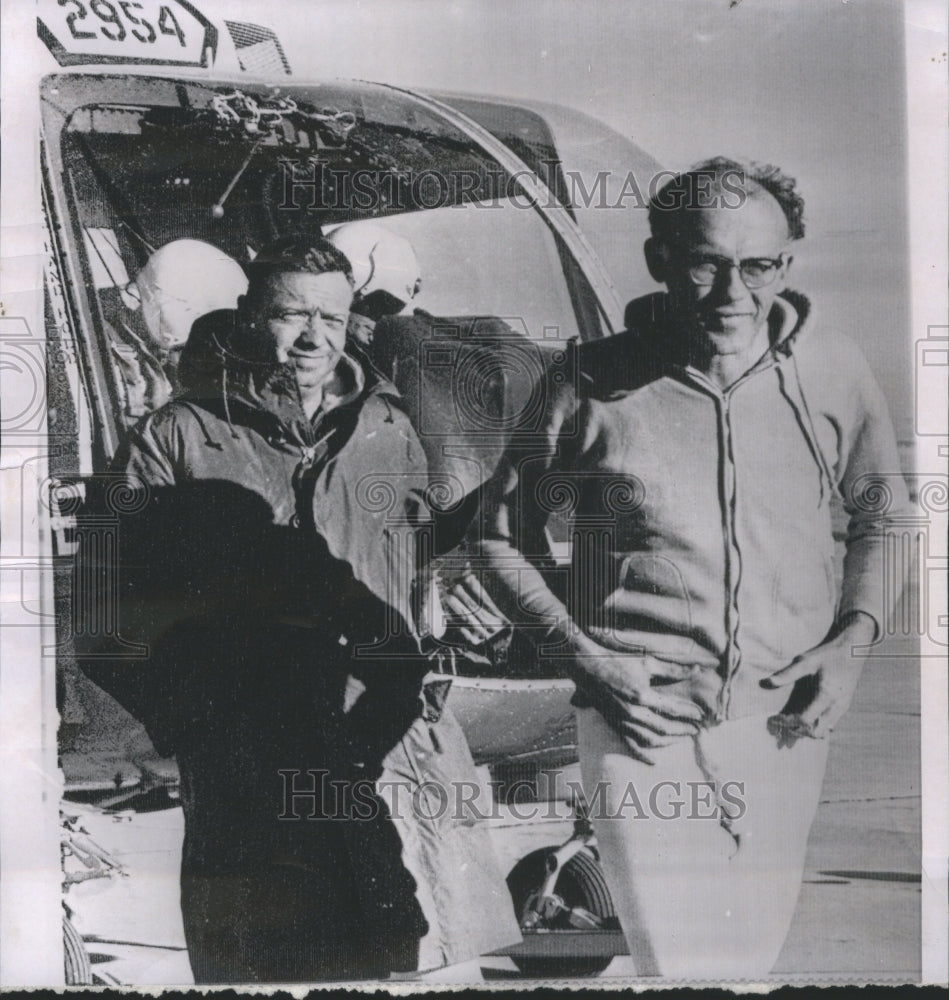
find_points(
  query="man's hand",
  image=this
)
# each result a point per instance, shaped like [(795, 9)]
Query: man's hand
[(620, 687), (471, 610), (825, 680)]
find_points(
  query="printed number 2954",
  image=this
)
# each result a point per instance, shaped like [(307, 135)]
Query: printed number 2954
[(113, 25)]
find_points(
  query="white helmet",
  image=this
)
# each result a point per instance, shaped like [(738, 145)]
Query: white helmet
[(181, 281), (381, 261)]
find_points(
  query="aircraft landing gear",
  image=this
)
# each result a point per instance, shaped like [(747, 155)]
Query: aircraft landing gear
[(564, 908)]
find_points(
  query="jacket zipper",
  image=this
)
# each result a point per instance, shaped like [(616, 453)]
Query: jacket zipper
[(728, 491), (728, 488), (308, 452)]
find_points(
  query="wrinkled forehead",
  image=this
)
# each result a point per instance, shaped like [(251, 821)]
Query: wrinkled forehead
[(753, 226)]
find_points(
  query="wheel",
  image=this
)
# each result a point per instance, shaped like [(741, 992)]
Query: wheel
[(580, 883), (77, 967)]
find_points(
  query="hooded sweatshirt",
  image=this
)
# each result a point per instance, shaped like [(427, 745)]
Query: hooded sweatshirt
[(702, 517)]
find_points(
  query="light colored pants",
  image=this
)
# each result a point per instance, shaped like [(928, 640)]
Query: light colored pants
[(447, 848), (699, 898)]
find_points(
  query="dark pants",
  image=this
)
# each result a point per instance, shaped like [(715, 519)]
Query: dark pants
[(266, 898), (281, 923)]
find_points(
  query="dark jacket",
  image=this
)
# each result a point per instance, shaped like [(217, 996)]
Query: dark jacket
[(272, 565)]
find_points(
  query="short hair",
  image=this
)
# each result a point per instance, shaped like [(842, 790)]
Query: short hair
[(679, 193), (294, 254)]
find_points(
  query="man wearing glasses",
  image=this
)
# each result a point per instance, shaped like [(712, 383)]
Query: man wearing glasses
[(712, 646)]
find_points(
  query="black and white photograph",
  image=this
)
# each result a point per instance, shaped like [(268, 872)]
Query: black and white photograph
[(474, 493)]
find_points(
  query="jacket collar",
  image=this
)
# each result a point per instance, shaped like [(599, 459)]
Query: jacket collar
[(215, 375)]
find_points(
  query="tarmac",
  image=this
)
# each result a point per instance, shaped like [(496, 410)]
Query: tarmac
[(857, 919)]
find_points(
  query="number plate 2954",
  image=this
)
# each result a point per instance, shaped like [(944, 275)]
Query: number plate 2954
[(127, 31)]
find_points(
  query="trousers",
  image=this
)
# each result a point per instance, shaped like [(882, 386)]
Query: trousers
[(446, 844), (703, 851)]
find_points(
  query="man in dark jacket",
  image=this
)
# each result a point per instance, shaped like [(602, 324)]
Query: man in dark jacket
[(274, 572)]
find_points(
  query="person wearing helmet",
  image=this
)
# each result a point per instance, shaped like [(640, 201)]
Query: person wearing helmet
[(180, 282), (386, 275)]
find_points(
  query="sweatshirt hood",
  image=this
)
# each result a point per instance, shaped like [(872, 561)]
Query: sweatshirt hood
[(796, 320), (647, 319), (611, 367)]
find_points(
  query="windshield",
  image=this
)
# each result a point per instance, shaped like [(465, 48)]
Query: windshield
[(240, 169), (148, 162)]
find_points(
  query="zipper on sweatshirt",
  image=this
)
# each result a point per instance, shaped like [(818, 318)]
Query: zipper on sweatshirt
[(728, 494), (729, 491)]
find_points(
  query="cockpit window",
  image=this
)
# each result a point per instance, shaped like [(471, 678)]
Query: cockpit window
[(243, 169), (151, 164)]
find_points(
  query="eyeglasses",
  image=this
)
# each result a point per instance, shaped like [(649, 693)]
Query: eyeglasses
[(755, 272)]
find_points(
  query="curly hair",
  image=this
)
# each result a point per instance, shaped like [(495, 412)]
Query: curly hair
[(734, 176)]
